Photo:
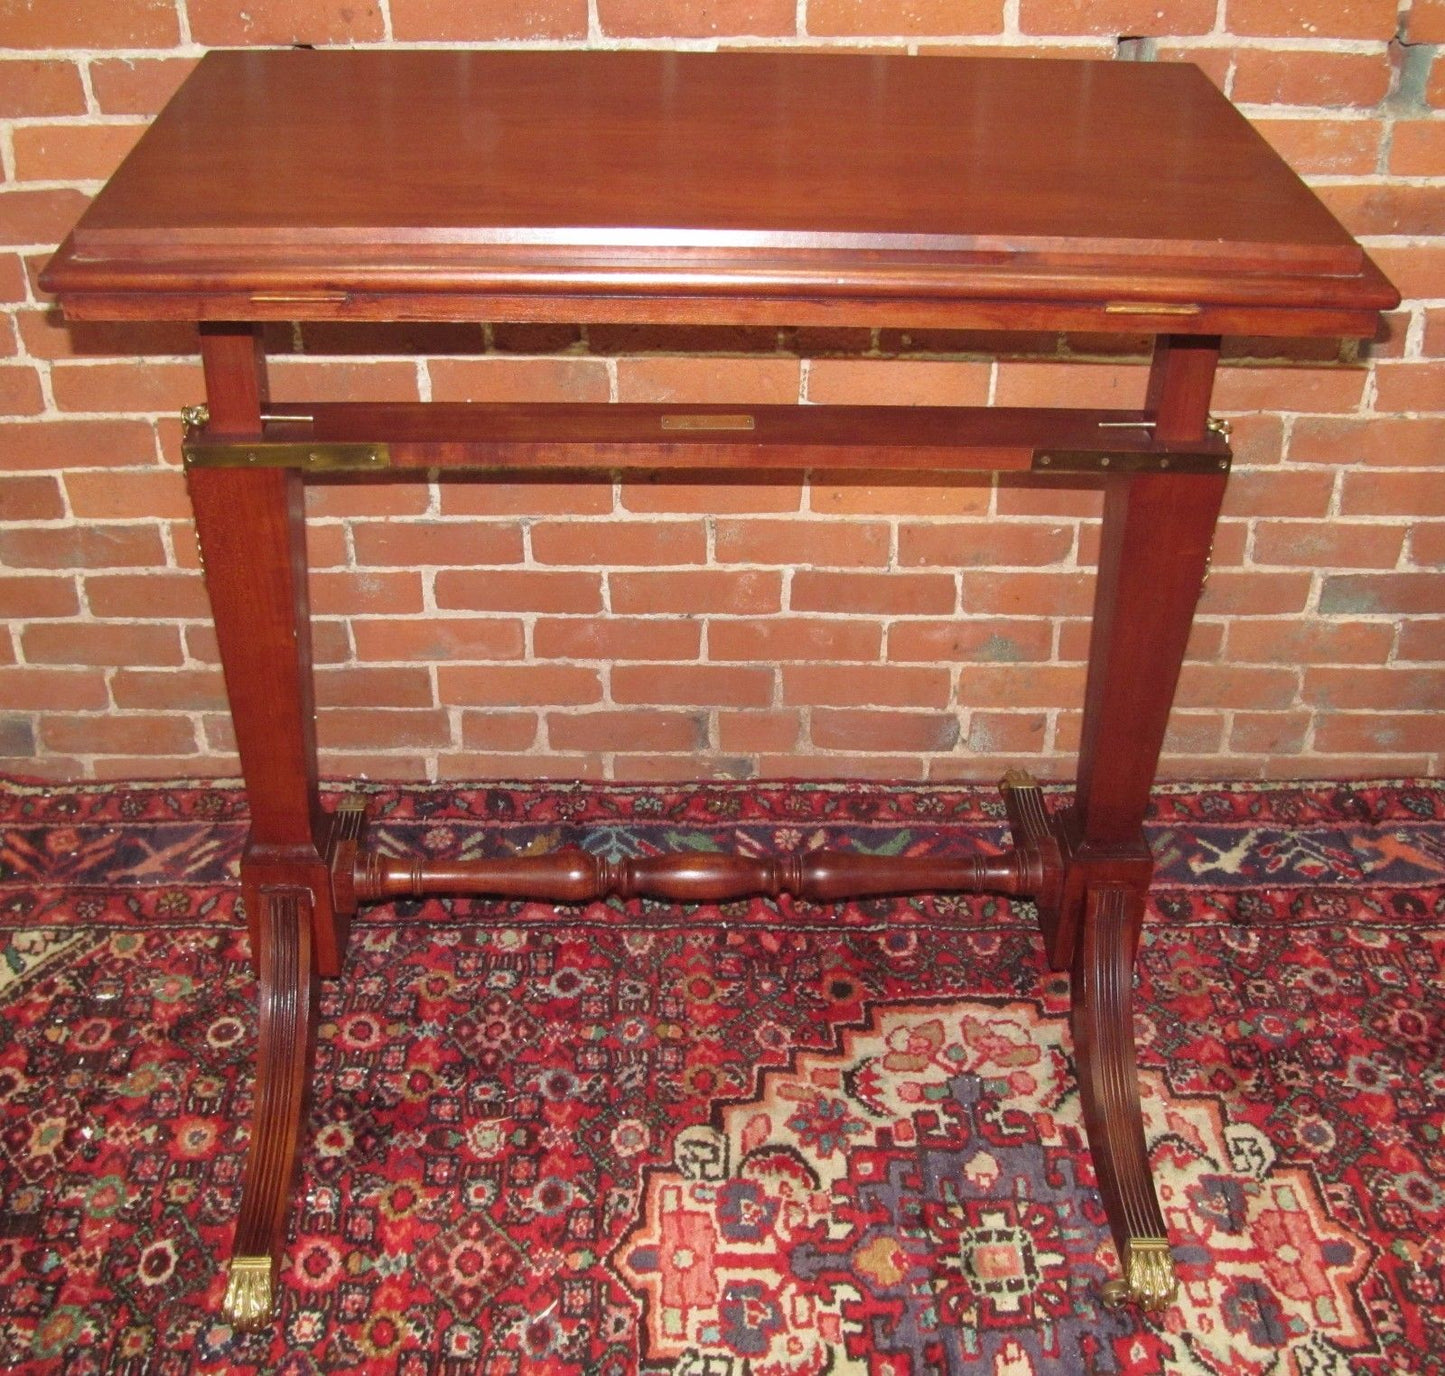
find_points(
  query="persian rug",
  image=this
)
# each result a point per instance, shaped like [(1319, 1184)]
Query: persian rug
[(746, 1139)]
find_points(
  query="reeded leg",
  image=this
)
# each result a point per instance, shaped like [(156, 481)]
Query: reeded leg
[(283, 1072), (1103, 1013)]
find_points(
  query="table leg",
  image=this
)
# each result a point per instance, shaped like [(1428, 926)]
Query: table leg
[(250, 525), (1157, 534)]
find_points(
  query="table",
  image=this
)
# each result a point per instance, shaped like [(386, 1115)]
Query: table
[(748, 188)]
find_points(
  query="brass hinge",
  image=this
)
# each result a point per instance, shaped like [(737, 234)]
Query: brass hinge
[(1126, 461), (310, 456)]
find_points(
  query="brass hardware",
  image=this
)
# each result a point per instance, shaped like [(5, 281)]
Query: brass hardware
[(314, 457), (1217, 425), (1126, 425), (287, 418), (1149, 1278), (195, 417), (1151, 308), (247, 1306), (1126, 461), (703, 422), (299, 298)]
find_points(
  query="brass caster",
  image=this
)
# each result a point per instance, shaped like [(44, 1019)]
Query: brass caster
[(1149, 1278), (247, 1306)]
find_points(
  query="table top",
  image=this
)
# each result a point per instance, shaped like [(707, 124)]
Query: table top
[(362, 173)]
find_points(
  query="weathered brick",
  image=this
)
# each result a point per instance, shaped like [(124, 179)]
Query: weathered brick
[(1027, 594), (374, 727), (1389, 440), (457, 21), (519, 379), (367, 686), (37, 595), (615, 638), (1116, 16), (1427, 543), (137, 85), (773, 640), (1385, 493), (1378, 690), (1367, 208), (887, 594), (1417, 148), (692, 685), (854, 494), (69, 643), (1270, 76), (1013, 733), (1410, 387), (72, 152), (30, 499), (77, 547), (31, 87), (696, 18), (118, 734), (218, 23), (1002, 641), (1336, 147), (885, 382), (175, 690), (862, 730), (26, 688), (1297, 544), (519, 685), (393, 544), (147, 596), (866, 685), (755, 381), (1297, 641), (754, 731), (434, 638), (1379, 732), (20, 393), (821, 544), (627, 730), (1270, 733), (1252, 593), (499, 730), (1382, 594), (736, 592), (1312, 18), (39, 217), (158, 493), (115, 24), (992, 544), (518, 590), (347, 592)]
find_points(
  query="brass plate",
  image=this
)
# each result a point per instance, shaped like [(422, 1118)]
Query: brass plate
[(696, 422), (1126, 461), (310, 457)]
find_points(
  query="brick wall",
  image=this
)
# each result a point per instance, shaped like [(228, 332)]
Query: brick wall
[(654, 629)]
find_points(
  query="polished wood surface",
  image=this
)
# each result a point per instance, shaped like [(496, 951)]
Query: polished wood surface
[(332, 177), (714, 189)]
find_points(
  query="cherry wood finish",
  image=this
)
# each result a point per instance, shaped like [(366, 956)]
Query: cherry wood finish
[(846, 189)]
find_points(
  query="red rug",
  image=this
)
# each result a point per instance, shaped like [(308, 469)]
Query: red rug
[(736, 1140)]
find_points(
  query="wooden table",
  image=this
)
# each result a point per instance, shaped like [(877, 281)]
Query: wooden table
[(770, 188)]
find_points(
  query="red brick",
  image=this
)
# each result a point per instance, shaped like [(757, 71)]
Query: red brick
[(1334, 147), (1276, 493), (713, 497), (1422, 641), (678, 767), (518, 590), (737, 592), (1379, 732), (652, 339), (1312, 18), (1269, 76), (1435, 86), (1298, 641), (752, 732), (20, 391), (821, 544), (115, 24), (111, 387), (13, 282), (39, 217), (474, 765), (352, 593), (219, 23), (1337, 544), (1233, 685), (460, 21), (118, 735), (965, 494), (1269, 733), (632, 729), (776, 639), (1116, 16), (175, 690), (926, 732), (1251, 593), (1417, 148), (1382, 594), (373, 687), (78, 444), (887, 594), (1194, 733), (1417, 270), (893, 382), (1377, 690), (519, 685), (343, 380), (991, 544), (688, 381), (1070, 384), (1427, 543), (348, 764), (1013, 733), (32, 87), (99, 495), (435, 638), (616, 543), (95, 547), (371, 728), (1410, 387), (843, 765), (1383, 493), (499, 730), (147, 596), (987, 641), (616, 638), (413, 544), (1020, 496), (137, 85), (72, 152), (30, 499), (519, 379), (696, 18), (866, 685), (539, 496), (692, 685), (30, 689), (22, 598), (1379, 440), (66, 642), (1028, 594), (1425, 22), (330, 643), (1289, 389), (1021, 685), (1366, 208), (329, 501)]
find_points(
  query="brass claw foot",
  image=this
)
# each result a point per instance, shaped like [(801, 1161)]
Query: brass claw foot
[(1149, 1279), (247, 1306)]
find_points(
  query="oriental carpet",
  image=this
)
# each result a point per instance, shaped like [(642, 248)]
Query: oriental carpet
[(745, 1139)]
